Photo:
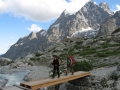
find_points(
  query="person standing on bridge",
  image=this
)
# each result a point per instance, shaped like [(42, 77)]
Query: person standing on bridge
[(56, 67), (70, 62)]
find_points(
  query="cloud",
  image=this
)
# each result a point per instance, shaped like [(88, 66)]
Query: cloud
[(95, 3), (34, 28), (39, 10), (118, 7)]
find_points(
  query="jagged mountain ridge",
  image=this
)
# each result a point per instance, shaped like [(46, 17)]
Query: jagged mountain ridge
[(89, 16), (105, 6)]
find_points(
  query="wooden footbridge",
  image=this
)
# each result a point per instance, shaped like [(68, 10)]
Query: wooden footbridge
[(37, 84)]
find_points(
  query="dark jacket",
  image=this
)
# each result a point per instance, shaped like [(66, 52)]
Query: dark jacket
[(55, 62)]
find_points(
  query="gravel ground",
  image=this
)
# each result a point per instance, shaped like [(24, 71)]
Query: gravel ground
[(103, 71), (37, 73)]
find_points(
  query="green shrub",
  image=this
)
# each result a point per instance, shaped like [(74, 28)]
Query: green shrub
[(21, 57), (102, 65), (87, 51), (106, 53), (105, 45), (37, 54), (71, 51), (66, 40), (63, 56), (79, 42), (10, 62), (102, 54), (71, 41), (49, 50), (32, 58), (29, 63), (65, 49), (38, 59), (54, 51), (83, 66), (113, 77)]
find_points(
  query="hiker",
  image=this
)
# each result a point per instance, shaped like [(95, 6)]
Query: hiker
[(70, 63), (56, 67)]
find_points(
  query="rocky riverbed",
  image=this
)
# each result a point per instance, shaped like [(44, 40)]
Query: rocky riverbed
[(10, 76)]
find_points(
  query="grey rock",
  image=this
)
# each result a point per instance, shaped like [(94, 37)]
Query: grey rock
[(112, 42), (118, 85), (5, 61), (118, 67), (87, 42), (110, 25), (109, 82), (37, 73), (105, 6), (101, 42)]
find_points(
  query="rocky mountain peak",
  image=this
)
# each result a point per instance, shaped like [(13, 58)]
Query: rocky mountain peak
[(105, 6), (65, 13), (93, 15), (117, 14), (41, 33), (32, 35), (88, 5)]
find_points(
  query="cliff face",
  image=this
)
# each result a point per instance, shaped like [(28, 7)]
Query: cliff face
[(110, 25), (89, 17)]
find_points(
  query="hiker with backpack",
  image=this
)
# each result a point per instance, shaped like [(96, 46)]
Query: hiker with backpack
[(55, 63), (70, 63)]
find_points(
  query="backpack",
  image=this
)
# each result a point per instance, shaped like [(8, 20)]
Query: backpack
[(59, 61), (73, 59)]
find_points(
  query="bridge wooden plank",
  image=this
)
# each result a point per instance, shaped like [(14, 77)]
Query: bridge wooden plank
[(49, 82), (11, 88)]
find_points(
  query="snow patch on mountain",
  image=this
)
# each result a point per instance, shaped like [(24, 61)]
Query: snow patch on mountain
[(56, 25), (44, 33), (87, 33)]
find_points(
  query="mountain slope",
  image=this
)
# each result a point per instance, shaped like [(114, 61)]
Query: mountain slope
[(26, 45)]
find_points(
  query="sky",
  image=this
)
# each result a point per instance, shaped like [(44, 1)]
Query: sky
[(18, 18)]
